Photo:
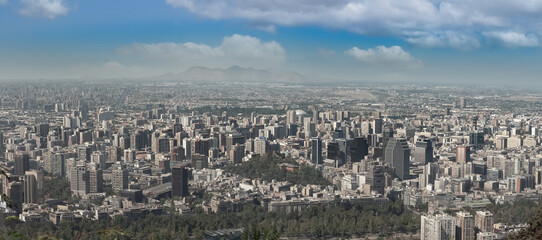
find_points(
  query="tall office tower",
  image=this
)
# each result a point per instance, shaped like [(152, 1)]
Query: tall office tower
[(96, 180), (310, 128), (233, 139), (15, 192), (199, 161), (377, 125), (316, 151), (439, 227), (79, 180), (177, 154), (177, 128), (160, 144), (484, 221), (465, 222), (57, 165), (359, 149), (476, 139), (237, 153), (344, 150), (1, 139), (377, 178), (119, 179), (462, 103), (462, 154), (179, 181), (261, 146), (31, 181), (99, 158), (84, 153), (22, 164), (332, 149), (187, 145), (366, 128), (429, 174), (113, 154), (136, 140), (424, 151), (537, 172), (290, 117), (42, 130), (397, 154), (315, 115)]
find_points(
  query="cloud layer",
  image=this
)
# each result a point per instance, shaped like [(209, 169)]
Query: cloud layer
[(234, 50), (43, 8), (385, 56), (433, 23)]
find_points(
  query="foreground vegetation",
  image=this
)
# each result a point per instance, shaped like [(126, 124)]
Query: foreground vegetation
[(316, 222), (266, 168)]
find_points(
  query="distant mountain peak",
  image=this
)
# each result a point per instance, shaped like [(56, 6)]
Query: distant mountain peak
[(236, 73)]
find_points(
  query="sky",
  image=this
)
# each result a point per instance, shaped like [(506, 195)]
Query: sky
[(487, 42)]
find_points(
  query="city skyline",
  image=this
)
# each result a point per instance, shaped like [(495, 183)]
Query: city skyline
[(418, 41)]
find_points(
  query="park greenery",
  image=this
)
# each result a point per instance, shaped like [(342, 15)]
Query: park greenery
[(344, 220), (266, 168)]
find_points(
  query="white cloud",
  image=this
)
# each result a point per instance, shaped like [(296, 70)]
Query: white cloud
[(456, 40), (394, 55), (234, 50), (447, 23), (269, 28), (513, 39), (43, 8)]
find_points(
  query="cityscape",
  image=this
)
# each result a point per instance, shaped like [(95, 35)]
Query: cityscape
[(235, 119), (456, 161)]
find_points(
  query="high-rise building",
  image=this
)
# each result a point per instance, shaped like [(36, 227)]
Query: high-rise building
[(377, 125), (233, 139), (15, 192), (462, 103), (99, 158), (95, 181), (397, 154), (179, 181), (261, 145), (290, 117), (316, 151), (484, 221), (199, 161), (476, 139), (462, 154), (424, 151), (439, 227), (22, 164), (57, 165), (377, 178), (332, 149), (84, 153), (344, 150), (30, 191), (465, 223), (42, 130), (79, 180), (114, 154), (119, 179), (359, 149), (237, 153)]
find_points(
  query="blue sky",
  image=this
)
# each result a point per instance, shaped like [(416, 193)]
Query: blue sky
[(455, 41)]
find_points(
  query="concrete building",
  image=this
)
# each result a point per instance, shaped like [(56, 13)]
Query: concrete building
[(397, 155)]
